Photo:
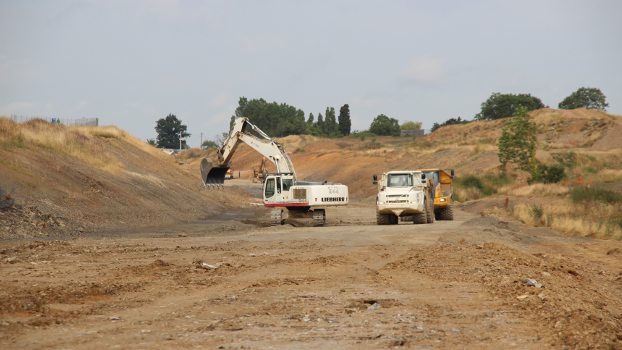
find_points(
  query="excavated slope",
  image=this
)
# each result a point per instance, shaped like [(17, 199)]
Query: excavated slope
[(56, 178)]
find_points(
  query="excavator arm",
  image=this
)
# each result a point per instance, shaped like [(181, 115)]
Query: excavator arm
[(245, 132)]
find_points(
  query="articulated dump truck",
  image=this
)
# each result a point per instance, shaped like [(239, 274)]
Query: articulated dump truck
[(281, 190), (404, 195)]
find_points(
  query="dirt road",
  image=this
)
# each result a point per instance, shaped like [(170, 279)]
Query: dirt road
[(232, 284)]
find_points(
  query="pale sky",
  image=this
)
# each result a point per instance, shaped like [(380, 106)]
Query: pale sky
[(132, 62)]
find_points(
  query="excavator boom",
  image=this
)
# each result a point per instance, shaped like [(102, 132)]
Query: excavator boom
[(244, 131)]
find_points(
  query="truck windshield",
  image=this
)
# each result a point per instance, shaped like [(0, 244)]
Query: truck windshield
[(400, 180)]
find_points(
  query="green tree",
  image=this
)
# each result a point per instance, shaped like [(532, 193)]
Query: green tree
[(410, 125), (209, 144), (591, 98), (383, 125), (275, 119), (331, 128), (310, 127), (320, 124), (517, 143), (345, 123), (310, 119), (169, 130), (506, 105), (151, 142)]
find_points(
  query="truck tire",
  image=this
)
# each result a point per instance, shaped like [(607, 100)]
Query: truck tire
[(393, 219), (421, 218), (383, 219), (445, 213)]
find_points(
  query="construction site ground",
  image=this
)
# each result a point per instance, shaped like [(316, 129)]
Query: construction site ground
[(234, 282), (107, 242)]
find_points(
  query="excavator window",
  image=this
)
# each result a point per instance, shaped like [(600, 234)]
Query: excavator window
[(278, 184), (287, 183), (269, 191)]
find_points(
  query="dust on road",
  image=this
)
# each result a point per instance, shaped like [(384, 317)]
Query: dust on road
[(228, 284)]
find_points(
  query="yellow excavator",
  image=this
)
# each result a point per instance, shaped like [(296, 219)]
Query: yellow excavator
[(442, 181)]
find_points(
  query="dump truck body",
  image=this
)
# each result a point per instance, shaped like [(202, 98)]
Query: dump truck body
[(442, 182)]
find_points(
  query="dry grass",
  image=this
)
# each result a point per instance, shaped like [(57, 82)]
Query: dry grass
[(147, 177), (85, 143), (593, 220), (608, 175), (467, 194), (539, 189), (77, 142), (108, 132)]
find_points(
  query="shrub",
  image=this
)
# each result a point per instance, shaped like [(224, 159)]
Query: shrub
[(566, 159), (590, 194), (498, 180), (547, 173), (450, 121), (472, 181), (536, 212)]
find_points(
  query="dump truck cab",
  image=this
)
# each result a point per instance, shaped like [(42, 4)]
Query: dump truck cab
[(442, 183), (403, 195)]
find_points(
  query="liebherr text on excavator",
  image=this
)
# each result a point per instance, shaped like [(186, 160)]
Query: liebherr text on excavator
[(302, 199)]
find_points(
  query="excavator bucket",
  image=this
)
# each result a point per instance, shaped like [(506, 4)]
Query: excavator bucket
[(213, 175)]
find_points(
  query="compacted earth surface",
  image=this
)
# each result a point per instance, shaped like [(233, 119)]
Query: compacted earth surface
[(234, 282)]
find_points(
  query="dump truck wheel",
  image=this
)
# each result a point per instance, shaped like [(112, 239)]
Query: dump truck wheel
[(420, 218), (449, 213), (383, 219), (393, 219), (446, 213)]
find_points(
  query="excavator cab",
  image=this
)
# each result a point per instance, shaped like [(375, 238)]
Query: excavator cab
[(277, 188)]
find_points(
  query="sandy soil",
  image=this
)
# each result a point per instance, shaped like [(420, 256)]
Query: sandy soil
[(230, 282)]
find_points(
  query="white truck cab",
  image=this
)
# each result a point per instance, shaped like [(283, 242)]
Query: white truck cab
[(403, 195)]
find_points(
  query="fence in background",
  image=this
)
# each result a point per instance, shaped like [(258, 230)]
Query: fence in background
[(56, 120)]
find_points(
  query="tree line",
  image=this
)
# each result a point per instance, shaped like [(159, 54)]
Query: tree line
[(281, 119)]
